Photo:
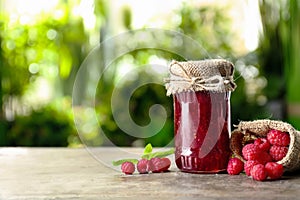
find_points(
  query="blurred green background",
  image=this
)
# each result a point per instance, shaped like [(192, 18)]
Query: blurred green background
[(43, 44)]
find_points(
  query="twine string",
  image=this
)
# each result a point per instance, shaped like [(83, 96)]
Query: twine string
[(204, 83)]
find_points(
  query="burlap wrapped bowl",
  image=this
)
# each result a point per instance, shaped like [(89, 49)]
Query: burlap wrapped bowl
[(249, 130)]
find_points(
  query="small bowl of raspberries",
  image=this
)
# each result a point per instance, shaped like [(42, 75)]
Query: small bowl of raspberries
[(263, 149)]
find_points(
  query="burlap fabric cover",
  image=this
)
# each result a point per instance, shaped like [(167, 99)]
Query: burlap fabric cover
[(250, 130), (214, 75)]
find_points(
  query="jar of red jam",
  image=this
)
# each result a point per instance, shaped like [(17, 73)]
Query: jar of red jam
[(201, 93)]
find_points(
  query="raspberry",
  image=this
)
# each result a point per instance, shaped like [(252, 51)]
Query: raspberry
[(259, 172), (166, 163), (274, 170), (248, 166), (263, 158), (159, 164), (155, 165), (277, 152), (251, 152), (278, 138), (235, 166), (263, 144), (142, 166), (127, 167)]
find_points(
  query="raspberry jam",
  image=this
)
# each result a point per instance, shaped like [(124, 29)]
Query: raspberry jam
[(202, 126)]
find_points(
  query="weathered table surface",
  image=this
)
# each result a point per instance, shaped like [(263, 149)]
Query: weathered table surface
[(62, 173)]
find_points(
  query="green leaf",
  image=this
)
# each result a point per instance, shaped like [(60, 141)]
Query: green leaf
[(119, 162), (148, 149), (159, 154)]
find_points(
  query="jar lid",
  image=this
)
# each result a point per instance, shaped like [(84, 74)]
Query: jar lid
[(214, 75)]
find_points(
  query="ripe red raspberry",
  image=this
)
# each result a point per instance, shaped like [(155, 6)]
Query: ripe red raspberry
[(155, 165), (274, 170), (259, 172), (166, 163), (248, 166), (251, 152), (235, 166), (127, 167), (142, 166), (263, 144), (277, 152), (263, 158), (278, 138)]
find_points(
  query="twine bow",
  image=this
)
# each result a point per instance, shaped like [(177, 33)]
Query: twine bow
[(189, 78)]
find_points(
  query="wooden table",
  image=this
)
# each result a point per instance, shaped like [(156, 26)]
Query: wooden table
[(62, 173)]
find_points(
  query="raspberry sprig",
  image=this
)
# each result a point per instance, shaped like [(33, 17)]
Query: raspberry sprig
[(154, 162)]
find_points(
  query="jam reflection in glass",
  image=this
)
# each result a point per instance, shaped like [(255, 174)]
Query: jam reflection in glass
[(202, 126)]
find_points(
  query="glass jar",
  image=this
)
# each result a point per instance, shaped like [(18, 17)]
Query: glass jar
[(202, 127), (201, 93)]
